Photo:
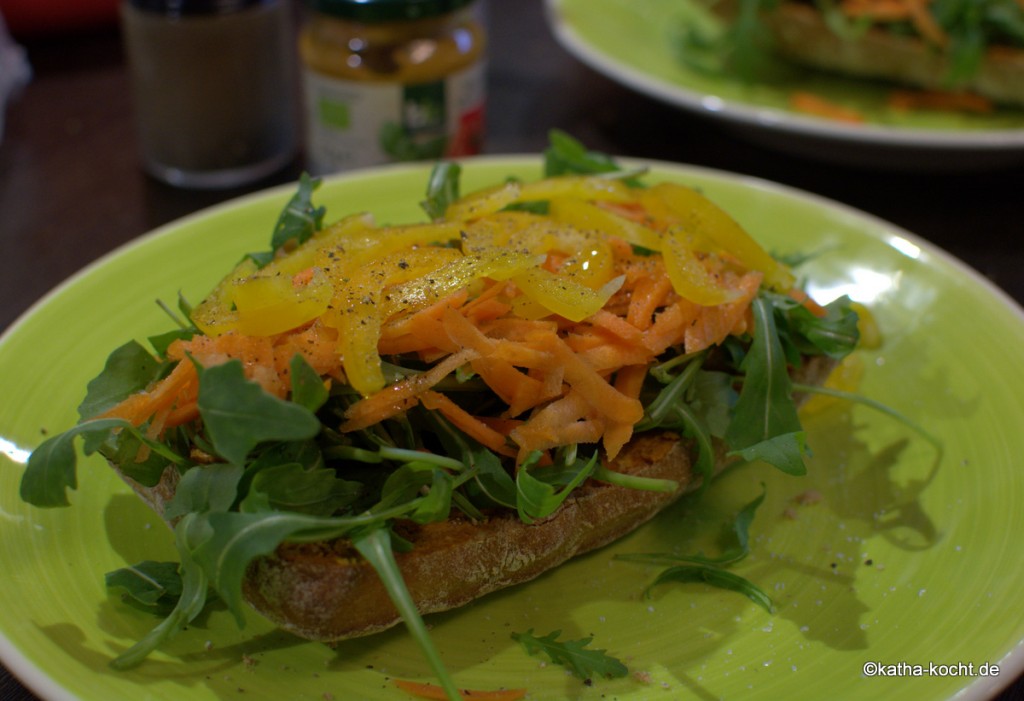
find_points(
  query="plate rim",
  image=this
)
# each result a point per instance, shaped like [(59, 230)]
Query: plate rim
[(786, 122), (980, 688)]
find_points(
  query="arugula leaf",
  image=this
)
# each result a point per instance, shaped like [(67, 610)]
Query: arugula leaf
[(239, 414), (568, 156), (52, 467), (701, 568), (216, 549), (149, 586), (784, 451), (233, 539), (410, 479), (308, 388), (835, 334), (375, 546), (442, 188), (410, 455), (741, 529), (671, 409), (573, 655), (536, 499), (291, 487), (743, 48), (713, 399), (716, 577), (129, 369), (189, 605), (124, 449), (492, 478), (205, 488), (647, 484), (974, 25), (162, 341), (491, 484), (541, 207), (299, 219), (437, 503), (765, 408)]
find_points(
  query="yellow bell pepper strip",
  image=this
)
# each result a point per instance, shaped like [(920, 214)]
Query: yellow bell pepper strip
[(461, 271), (216, 314), (592, 264), (576, 187), (586, 216), (589, 258), (706, 221), (515, 230), (564, 296), (482, 202), (494, 199), (304, 256), (271, 304), (356, 313), (690, 279), (359, 246)]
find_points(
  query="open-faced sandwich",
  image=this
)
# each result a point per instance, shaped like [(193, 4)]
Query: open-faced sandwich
[(370, 423), (965, 54)]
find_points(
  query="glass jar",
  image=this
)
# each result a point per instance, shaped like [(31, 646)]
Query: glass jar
[(213, 82), (392, 80)]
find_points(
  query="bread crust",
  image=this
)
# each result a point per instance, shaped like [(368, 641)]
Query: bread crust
[(325, 591), (801, 36)]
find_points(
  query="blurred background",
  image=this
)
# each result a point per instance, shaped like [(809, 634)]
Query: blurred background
[(74, 185)]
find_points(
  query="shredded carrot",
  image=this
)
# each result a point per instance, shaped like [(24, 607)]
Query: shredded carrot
[(629, 380), (572, 414), (649, 293), (878, 10), (402, 395), (617, 325), (403, 325), (669, 327), (939, 100), (808, 303), (140, 407), (303, 277), (471, 425), (817, 106), (914, 11), (432, 691), (595, 389), (714, 324), (925, 24)]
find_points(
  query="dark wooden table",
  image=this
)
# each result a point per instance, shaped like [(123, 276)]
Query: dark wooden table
[(71, 189)]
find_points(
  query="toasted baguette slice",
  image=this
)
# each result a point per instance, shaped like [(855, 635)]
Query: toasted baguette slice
[(325, 591), (801, 36)]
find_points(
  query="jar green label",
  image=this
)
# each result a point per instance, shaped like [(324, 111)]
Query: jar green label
[(356, 124)]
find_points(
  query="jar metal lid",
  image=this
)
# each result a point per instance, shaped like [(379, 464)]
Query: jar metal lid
[(372, 11), (176, 8)]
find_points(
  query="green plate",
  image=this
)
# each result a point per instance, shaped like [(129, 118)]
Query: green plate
[(635, 42), (900, 557)]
